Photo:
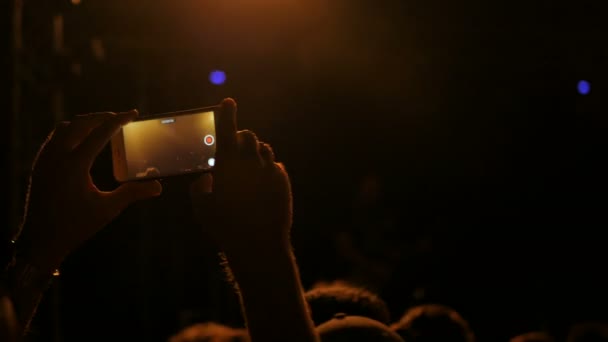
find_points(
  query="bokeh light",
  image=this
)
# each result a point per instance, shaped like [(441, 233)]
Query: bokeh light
[(584, 87), (217, 77)]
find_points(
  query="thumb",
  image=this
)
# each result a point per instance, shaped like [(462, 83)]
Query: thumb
[(128, 193)]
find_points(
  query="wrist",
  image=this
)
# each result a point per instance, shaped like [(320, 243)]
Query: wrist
[(266, 270), (26, 282), (43, 253), (24, 274), (44, 259), (252, 256)]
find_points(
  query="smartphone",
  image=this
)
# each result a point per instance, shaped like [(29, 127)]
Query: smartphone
[(165, 145)]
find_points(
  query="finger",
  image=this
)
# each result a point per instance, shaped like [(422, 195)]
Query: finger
[(61, 131), (50, 148), (248, 145), (286, 183), (201, 195), (281, 168), (82, 125), (226, 129), (203, 185), (129, 193), (90, 147), (57, 136), (266, 153)]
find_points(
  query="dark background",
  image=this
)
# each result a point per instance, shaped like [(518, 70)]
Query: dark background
[(445, 139)]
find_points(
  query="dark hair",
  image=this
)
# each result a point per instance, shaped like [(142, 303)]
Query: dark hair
[(534, 336), (210, 332), (588, 332), (344, 328), (326, 301), (433, 322)]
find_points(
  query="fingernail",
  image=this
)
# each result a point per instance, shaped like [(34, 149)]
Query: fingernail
[(229, 101), (133, 113)]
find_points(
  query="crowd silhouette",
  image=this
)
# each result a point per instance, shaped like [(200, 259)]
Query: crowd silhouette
[(245, 207)]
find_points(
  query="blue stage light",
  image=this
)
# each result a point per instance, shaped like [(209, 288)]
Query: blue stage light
[(584, 87), (217, 77)]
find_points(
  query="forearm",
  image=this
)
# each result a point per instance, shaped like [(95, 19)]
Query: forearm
[(272, 296), (30, 275), (27, 284), (9, 328)]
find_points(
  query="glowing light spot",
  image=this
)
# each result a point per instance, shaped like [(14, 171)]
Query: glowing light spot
[(217, 77), (75, 2), (211, 162), (209, 140), (584, 87)]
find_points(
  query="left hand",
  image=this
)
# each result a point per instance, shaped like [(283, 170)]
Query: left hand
[(64, 207), (246, 205)]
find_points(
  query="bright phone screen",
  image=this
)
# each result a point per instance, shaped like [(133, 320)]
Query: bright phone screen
[(169, 146)]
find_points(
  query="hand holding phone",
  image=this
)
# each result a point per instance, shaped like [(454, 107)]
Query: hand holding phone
[(246, 201), (164, 145), (65, 208), (245, 206)]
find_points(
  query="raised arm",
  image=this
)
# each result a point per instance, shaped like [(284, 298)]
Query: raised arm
[(9, 328), (246, 206), (64, 208)]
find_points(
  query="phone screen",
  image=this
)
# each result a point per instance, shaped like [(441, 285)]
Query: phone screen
[(169, 145)]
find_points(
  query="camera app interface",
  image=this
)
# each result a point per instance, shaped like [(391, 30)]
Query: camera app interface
[(170, 145)]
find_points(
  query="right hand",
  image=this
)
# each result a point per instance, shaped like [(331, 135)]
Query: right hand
[(246, 204)]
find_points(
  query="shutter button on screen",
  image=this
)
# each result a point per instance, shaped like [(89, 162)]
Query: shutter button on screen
[(209, 140)]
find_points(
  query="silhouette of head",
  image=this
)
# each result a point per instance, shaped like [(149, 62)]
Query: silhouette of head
[(588, 332), (534, 336), (431, 323), (327, 300), (210, 332), (8, 320), (343, 328)]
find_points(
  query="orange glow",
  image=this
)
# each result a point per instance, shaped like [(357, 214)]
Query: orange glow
[(75, 2)]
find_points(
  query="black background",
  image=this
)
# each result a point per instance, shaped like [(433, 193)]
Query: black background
[(466, 116)]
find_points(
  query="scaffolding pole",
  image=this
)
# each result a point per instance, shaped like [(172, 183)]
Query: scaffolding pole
[(15, 149)]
